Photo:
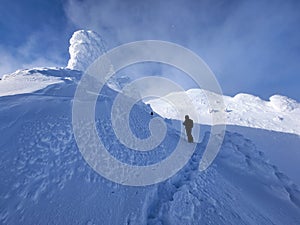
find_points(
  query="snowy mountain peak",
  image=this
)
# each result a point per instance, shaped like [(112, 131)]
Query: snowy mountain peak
[(85, 47)]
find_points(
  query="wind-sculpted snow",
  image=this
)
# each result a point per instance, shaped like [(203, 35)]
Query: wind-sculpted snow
[(32, 80), (284, 104), (45, 179), (279, 114), (240, 188), (23, 82)]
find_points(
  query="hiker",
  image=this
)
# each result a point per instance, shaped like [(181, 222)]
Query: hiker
[(188, 123)]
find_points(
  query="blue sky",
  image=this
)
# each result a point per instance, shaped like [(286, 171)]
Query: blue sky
[(252, 46)]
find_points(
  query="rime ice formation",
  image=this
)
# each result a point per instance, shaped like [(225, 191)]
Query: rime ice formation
[(85, 47)]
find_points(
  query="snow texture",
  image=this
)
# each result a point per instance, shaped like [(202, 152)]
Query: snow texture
[(85, 47), (45, 180), (25, 81), (280, 113)]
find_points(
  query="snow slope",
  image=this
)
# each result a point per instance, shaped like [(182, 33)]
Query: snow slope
[(280, 113), (45, 180), (240, 188), (25, 81)]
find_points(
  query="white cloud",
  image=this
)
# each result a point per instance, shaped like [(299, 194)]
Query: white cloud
[(247, 44), (7, 62), (28, 55)]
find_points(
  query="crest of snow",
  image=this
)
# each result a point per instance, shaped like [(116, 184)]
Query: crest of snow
[(282, 103), (24, 81), (85, 47), (278, 114)]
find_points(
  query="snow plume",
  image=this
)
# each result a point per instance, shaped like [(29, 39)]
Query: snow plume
[(237, 39), (85, 47)]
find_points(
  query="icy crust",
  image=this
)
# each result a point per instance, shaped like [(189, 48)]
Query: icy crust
[(279, 114), (85, 47)]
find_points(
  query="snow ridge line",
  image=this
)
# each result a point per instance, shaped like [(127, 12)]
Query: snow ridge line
[(192, 197)]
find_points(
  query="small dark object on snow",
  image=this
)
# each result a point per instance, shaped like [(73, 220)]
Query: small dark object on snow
[(151, 113), (188, 123)]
